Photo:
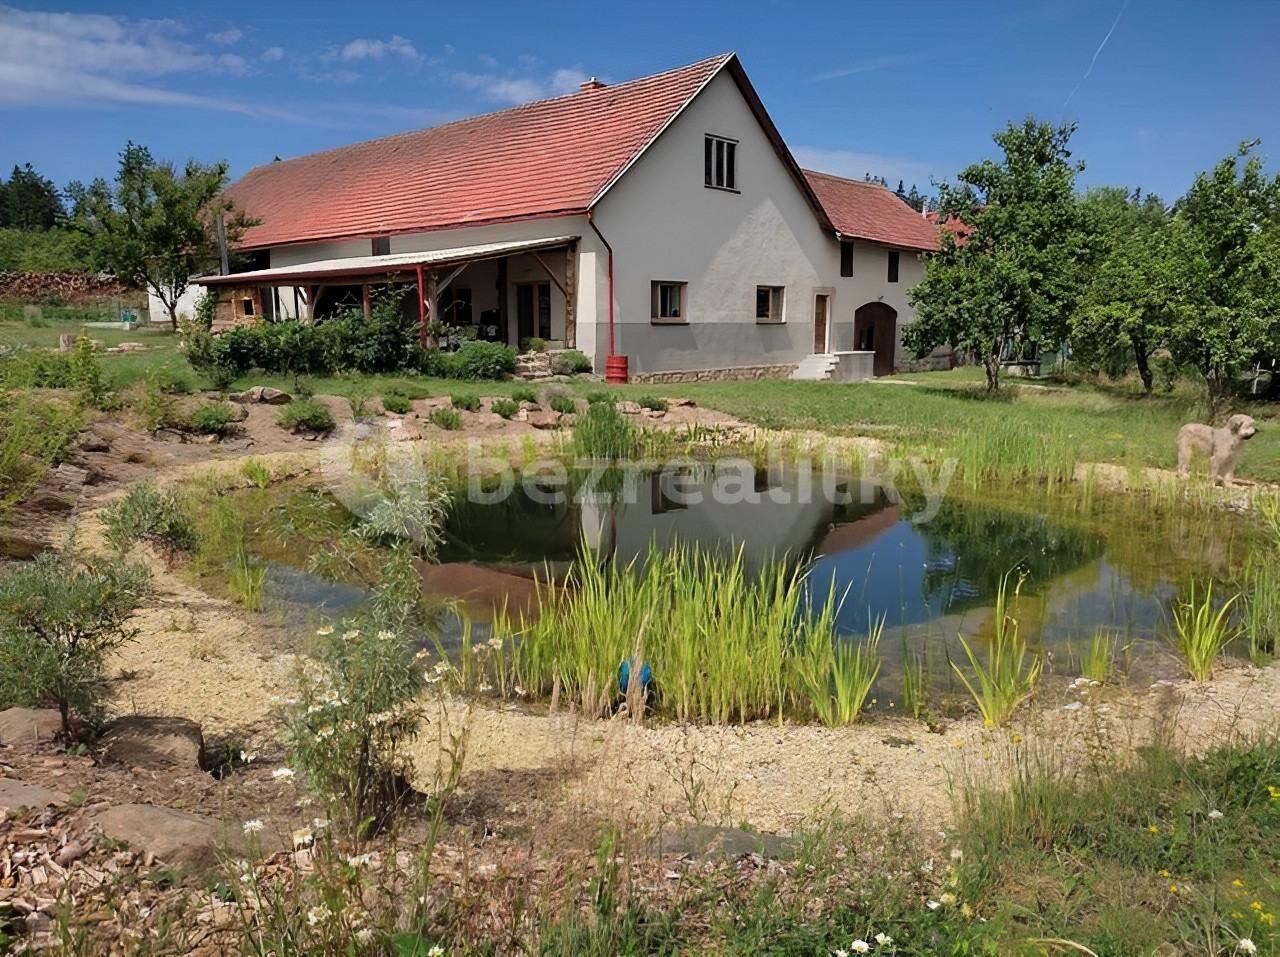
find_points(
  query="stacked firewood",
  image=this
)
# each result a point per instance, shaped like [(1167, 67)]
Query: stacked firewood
[(70, 288)]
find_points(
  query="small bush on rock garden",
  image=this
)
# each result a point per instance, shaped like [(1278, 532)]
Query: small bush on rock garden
[(652, 402), (35, 369), (477, 360), (146, 513), (602, 433), (468, 403), (524, 393), (563, 404), (570, 362), (306, 415), (355, 717), (217, 418), (87, 377), (601, 395), (533, 344), (507, 408), (447, 419), (396, 403), (34, 434), (60, 620)]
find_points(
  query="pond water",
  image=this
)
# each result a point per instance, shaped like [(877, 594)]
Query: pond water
[(1114, 564)]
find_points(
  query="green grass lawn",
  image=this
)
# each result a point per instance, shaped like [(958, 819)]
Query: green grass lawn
[(1082, 422)]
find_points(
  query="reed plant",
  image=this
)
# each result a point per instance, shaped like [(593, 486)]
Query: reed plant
[(1098, 663), (723, 645), (603, 433), (1202, 629), (838, 677), (1010, 671), (247, 579), (915, 682)]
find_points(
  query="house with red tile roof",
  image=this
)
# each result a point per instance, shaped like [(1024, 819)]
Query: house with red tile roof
[(659, 225)]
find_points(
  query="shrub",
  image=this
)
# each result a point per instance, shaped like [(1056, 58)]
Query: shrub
[(652, 402), (35, 369), (468, 403), (601, 395), (206, 306), (447, 419), (397, 403), (563, 404), (146, 513), (409, 512), (602, 433), (355, 716), (59, 622), (217, 418), (87, 377), (570, 362), (306, 415), (506, 408), (170, 382), (533, 344), (478, 360), (524, 393), (33, 436)]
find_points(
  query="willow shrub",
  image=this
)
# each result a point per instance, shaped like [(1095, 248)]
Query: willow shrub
[(722, 645)]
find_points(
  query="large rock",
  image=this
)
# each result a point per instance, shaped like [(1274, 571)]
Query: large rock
[(175, 837), (28, 725), (261, 394), (704, 842), (543, 419), (15, 794), (140, 741)]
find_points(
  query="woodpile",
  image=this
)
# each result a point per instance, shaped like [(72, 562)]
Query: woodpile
[(68, 288)]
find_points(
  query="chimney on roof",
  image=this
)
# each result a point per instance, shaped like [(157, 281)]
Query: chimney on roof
[(591, 83)]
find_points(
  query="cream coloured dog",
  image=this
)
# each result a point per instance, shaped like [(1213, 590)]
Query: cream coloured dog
[(1223, 446)]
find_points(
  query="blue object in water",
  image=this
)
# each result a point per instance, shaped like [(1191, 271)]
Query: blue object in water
[(624, 675)]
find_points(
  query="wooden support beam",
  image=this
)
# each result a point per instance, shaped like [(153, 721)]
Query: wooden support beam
[(571, 296), (365, 301), (433, 298), (444, 283), (420, 291), (554, 278)]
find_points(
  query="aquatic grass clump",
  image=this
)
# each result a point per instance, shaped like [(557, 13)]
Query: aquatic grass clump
[(838, 678), (603, 433), (1009, 674), (1202, 631), (1099, 660), (915, 682), (722, 645)]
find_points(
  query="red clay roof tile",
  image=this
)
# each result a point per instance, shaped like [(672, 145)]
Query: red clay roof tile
[(869, 211), (542, 159)]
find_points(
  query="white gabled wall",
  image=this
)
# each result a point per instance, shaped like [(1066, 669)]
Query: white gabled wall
[(665, 224)]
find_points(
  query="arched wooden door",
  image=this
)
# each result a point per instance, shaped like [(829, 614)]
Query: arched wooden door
[(875, 329)]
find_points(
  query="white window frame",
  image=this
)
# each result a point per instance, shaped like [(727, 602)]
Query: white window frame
[(720, 162), (655, 302), (777, 305)]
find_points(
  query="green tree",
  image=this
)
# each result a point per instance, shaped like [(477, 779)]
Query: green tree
[(157, 227), (1123, 312), (30, 201), (1224, 287), (59, 622), (1008, 288)]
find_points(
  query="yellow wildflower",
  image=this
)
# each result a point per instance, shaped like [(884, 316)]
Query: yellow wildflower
[(1268, 919), (1153, 829), (1237, 883), (1173, 888), (1274, 792), (1164, 873), (1256, 905)]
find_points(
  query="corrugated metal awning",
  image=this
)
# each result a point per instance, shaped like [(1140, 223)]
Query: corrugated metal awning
[(332, 270)]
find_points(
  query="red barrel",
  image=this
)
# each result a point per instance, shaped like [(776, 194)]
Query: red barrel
[(615, 369)]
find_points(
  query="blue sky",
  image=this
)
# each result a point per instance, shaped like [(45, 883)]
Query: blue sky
[(904, 89)]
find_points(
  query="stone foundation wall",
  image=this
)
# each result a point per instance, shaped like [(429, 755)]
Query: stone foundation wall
[(927, 364), (712, 375)]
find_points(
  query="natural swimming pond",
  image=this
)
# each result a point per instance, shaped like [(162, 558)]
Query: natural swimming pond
[(1085, 563)]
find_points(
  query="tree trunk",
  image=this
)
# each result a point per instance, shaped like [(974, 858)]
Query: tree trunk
[(991, 363), (1143, 360), (64, 709), (173, 315)]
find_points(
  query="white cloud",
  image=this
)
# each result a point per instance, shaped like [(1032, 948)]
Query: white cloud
[(224, 38), (855, 165), (272, 55), (62, 58), (869, 65), (512, 90), (364, 49)]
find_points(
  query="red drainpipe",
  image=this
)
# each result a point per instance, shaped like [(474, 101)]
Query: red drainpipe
[(615, 366)]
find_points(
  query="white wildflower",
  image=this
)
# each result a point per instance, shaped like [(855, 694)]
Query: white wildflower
[(436, 951), (364, 936), (350, 635), (317, 915), (360, 860), (325, 631), (947, 898), (1246, 946), (247, 757), (957, 854), (254, 826), (324, 734), (319, 823), (883, 940), (385, 635), (841, 952), (932, 905), (1215, 815), (860, 947), (282, 774)]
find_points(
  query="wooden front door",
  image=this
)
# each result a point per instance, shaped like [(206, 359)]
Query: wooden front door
[(875, 329), (533, 310), (820, 304)]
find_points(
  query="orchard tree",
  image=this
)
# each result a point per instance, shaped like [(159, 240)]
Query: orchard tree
[(156, 228), (1008, 287), (1224, 283), (1124, 308)]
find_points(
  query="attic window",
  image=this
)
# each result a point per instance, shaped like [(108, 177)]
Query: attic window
[(382, 245), (720, 163), (846, 257)]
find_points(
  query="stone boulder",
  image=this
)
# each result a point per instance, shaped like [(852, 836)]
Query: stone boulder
[(627, 407), (153, 743), (28, 725), (175, 837), (15, 794), (704, 843), (261, 395), (543, 419), (533, 365)]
